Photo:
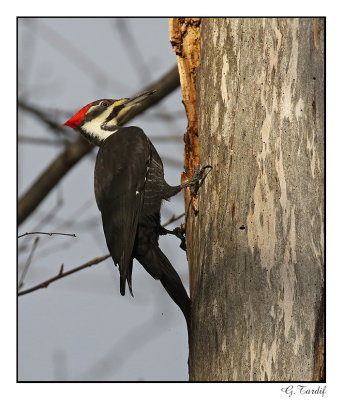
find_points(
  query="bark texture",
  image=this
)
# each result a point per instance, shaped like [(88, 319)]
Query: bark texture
[(256, 245), (185, 40)]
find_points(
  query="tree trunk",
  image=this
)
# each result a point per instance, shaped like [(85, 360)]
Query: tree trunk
[(255, 246)]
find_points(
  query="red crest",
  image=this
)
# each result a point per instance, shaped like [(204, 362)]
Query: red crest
[(76, 119)]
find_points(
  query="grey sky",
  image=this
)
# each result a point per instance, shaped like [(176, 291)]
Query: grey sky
[(80, 328)]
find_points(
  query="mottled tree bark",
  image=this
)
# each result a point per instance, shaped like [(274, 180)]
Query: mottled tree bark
[(255, 247)]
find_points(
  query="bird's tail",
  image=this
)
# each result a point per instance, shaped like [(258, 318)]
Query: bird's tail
[(127, 277), (159, 267)]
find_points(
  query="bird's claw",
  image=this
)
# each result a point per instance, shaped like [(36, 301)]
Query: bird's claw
[(180, 232), (197, 179)]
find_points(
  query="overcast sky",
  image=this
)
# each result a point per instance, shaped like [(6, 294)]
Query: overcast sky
[(80, 328)]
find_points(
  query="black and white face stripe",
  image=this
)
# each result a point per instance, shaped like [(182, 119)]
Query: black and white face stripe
[(103, 116), (97, 108), (115, 113), (101, 119)]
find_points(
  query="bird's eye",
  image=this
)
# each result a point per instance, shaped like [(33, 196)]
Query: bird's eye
[(104, 104)]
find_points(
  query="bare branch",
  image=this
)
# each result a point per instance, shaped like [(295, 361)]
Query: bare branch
[(51, 214), (61, 269), (62, 274), (46, 219), (76, 150), (43, 141), (95, 261), (28, 262), (25, 139), (41, 115), (47, 233), (51, 176), (173, 219), (132, 49), (74, 55), (168, 116)]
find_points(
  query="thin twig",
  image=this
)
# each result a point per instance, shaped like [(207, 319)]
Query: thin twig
[(133, 50), (43, 141), (51, 214), (47, 233), (48, 250), (77, 57), (95, 261), (61, 269), (28, 262), (47, 218), (61, 142), (167, 116), (62, 274), (61, 226), (173, 219), (42, 116)]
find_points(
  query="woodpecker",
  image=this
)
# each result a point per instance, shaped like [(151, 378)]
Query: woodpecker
[(129, 189)]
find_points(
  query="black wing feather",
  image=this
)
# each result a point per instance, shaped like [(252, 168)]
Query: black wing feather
[(119, 179)]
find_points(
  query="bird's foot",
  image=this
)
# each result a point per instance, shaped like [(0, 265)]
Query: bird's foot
[(197, 179), (179, 232)]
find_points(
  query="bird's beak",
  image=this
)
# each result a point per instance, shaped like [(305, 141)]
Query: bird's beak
[(139, 98), (127, 105)]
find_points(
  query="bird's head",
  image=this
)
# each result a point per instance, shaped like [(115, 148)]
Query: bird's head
[(99, 119)]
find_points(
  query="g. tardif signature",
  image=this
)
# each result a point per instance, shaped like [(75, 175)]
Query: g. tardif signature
[(303, 389)]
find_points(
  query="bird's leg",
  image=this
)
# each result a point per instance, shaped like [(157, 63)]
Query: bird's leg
[(179, 232), (197, 176), (195, 182)]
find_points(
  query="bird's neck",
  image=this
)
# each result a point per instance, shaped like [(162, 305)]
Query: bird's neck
[(97, 137)]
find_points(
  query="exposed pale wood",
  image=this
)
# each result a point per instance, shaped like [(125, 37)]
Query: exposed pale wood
[(255, 248), (185, 40)]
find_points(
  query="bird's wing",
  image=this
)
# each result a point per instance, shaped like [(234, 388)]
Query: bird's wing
[(119, 179)]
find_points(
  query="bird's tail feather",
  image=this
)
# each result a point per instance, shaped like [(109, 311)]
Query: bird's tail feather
[(159, 267), (128, 279), (122, 285)]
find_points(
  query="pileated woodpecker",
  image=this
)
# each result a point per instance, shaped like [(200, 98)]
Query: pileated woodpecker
[(129, 188)]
